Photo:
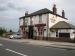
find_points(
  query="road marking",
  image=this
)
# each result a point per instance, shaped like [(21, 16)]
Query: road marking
[(1, 44), (15, 52)]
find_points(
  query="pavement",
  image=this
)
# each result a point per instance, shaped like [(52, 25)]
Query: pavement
[(63, 45)]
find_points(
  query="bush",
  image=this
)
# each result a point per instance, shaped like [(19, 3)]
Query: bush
[(2, 31)]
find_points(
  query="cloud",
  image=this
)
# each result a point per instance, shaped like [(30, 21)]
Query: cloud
[(13, 5), (3, 7)]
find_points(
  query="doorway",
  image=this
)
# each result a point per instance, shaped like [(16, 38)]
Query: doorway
[(30, 32)]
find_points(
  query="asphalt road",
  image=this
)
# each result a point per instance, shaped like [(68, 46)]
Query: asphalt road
[(8, 48)]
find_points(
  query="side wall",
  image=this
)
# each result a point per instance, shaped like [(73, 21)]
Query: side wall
[(53, 19)]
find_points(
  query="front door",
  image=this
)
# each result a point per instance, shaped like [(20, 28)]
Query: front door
[(30, 33)]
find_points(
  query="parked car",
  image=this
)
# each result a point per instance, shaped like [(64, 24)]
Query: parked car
[(15, 36)]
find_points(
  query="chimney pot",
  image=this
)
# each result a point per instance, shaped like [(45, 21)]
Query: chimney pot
[(63, 14), (54, 9), (26, 13)]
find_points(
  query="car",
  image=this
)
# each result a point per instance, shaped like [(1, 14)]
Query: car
[(15, 36)]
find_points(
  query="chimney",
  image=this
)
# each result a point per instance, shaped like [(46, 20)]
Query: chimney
[(54, 9), (26, 13), (63, 14)]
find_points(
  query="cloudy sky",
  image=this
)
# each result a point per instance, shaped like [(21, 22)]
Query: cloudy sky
[(11, 10)]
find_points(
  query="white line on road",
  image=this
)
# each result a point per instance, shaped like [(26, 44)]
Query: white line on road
[(15, 52)]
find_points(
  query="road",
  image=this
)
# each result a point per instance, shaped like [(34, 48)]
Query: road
[(9, 48)]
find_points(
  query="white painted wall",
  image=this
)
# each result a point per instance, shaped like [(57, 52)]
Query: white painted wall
[(53, 19), (36, 19), (72, 35), (64, 31), (53, 34)]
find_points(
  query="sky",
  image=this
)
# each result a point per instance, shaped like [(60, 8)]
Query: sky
[(11, 10)]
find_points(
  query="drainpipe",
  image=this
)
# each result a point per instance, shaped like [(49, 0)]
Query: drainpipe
[(47, 25)]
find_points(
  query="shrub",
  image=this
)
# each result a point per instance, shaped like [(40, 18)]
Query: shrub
[(2, 31)]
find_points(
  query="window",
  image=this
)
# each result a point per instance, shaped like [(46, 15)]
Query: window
[(67, 35), (21, 21), (40, 31), (26, 21)]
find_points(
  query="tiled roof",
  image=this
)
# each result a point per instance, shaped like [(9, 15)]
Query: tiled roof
[(63, 25), (42, 11)]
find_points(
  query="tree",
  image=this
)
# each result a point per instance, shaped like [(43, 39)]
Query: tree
[(11, 31), (2, 31)]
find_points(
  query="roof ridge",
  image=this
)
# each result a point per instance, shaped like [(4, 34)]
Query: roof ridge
[(43, 11), (40, 10)]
